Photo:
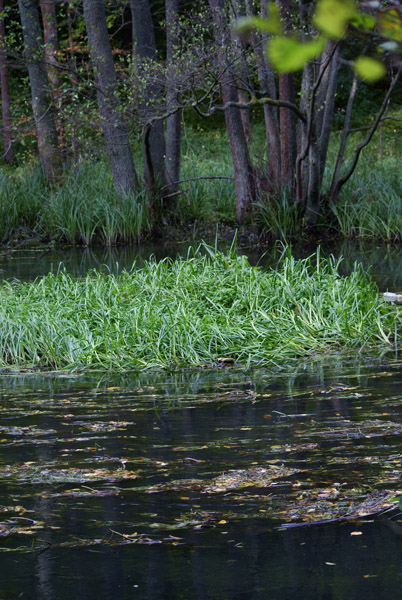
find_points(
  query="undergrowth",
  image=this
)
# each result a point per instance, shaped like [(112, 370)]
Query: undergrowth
[(190, 312), (86, 209)]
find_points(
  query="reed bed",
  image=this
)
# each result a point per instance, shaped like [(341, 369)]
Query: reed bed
[(191, 312)]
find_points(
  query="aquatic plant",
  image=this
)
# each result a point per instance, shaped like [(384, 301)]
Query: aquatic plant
[(191, 312)]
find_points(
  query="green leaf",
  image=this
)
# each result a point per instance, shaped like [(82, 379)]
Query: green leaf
[(369, 69), (332, 17), (390, 24), (363, 21), (271, 24), (288, 54)]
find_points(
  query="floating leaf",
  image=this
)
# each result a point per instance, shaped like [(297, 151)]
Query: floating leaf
[(332, 17), (369, 69)]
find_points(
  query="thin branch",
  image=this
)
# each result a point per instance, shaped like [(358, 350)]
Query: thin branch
[(253, 102), (370, 134)]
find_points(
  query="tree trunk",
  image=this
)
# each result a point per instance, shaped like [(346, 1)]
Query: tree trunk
[(245, 189), (144, 47), (344, 139), (74, 78), (240, 70), (49, 20), (42, 105), (266, 80), (305, 131), (173, 122), (5, 94), (286, 116), (326, 102), (113, 125)]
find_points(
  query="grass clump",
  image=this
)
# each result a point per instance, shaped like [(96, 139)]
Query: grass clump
[(189, 312), (280, 216)]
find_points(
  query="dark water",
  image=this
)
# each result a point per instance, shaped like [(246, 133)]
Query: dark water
[(107, 484)]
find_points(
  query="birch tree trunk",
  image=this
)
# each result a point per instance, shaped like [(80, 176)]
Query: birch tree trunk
[(42, 105), (5, 94), (113, 125)]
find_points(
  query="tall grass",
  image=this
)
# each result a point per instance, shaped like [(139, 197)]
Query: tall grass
[(86, 209), (21, 199), (191, 312), (204, 196), (370, 205), (279, 216)]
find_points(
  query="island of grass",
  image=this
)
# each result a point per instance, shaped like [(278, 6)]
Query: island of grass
[(193, 312)]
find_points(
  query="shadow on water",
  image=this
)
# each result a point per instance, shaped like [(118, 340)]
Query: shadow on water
[(176, 485)]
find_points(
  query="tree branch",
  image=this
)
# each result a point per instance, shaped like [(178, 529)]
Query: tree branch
[(253, 102), (370, 134)]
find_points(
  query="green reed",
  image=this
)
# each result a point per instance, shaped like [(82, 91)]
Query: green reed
[(191, 312)]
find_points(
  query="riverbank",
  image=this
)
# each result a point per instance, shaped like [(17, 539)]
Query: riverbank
[(209, 309)]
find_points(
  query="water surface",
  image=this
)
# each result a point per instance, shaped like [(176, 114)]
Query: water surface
[(138, 486)]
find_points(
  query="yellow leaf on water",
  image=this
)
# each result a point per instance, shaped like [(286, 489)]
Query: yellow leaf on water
[(223, 522)]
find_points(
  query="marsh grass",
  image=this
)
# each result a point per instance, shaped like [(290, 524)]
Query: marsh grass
[(21, 198), (190, 312), (203, 197)]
